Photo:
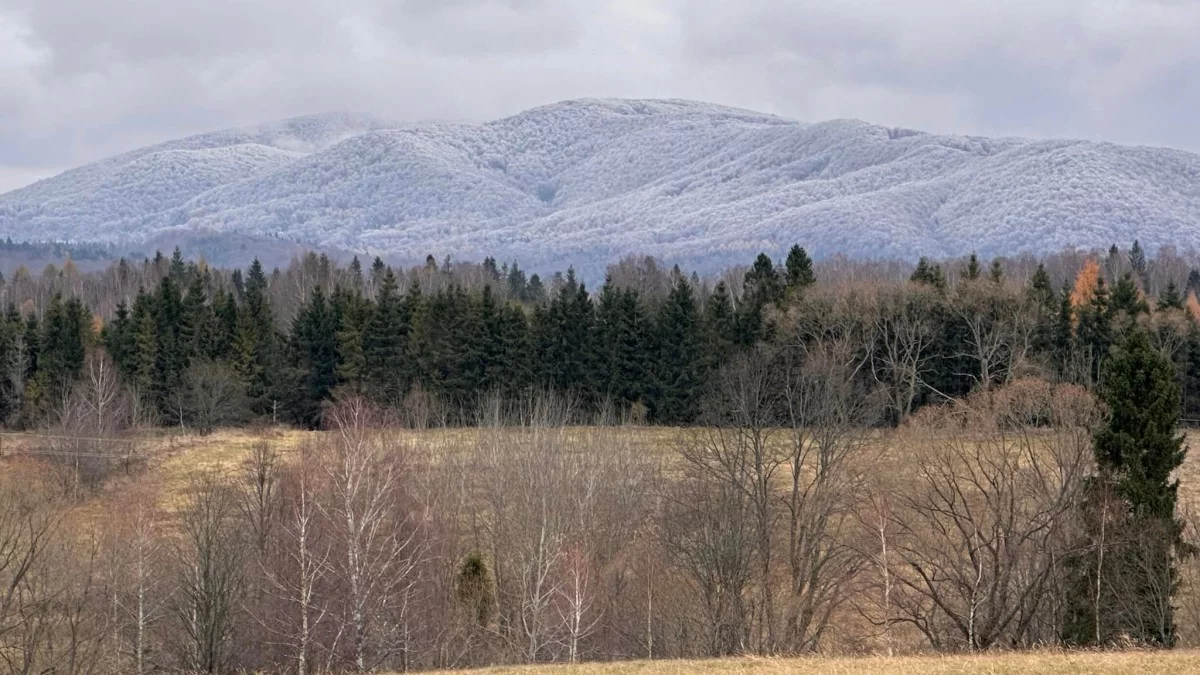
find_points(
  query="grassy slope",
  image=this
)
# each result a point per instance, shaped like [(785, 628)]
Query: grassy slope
[(1099, 663)]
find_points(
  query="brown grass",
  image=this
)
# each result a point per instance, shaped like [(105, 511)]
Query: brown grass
[(1099, 663)]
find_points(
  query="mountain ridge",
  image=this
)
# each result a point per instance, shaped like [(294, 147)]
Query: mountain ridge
[(583, 182)]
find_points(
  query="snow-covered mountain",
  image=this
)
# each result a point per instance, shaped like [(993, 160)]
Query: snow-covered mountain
[(585, 182)]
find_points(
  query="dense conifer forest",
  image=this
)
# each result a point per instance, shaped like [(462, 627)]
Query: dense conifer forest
[(280, 345)]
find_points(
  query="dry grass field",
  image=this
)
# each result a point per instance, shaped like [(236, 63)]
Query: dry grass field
[(173, 460), (1090, 663)]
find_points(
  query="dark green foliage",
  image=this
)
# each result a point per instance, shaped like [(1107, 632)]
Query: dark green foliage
[(971, 273), (679, 362), (1193, 282), (256, 345), (11, 365), (1170, 298), (314, 362), (929, 274), (799, 269), (385, 342), (1137, 260), (1139, 447), (1127, 299), (996, 276), (624, 343), (564, 340), (762, 285), (720, 325), (1125, 582)]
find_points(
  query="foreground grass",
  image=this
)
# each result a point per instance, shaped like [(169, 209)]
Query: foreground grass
[(1098, 663)]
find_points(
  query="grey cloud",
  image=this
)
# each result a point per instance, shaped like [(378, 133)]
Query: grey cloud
[(81, 79)]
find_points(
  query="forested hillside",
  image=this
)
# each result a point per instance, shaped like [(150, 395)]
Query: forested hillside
[(586, 182)]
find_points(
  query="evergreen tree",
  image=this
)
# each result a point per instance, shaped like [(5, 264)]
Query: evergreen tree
[(257, 344), (929, 274), (997, 274), (170, 351), (517, 285), (622, 344), (1193, 282), (971, 273), (1170, 299), (385, 342), (314, 358), (11, 363), (535, 293), (762, 285), (679, 380), (719, 327), (197, 330), (799, 269), (1137, 451), (1137, 260), (177, 270), (353, 312), (1127, 299), (1063, 349)]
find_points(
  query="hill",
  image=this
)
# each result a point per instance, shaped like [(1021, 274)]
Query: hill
[(584, 182)]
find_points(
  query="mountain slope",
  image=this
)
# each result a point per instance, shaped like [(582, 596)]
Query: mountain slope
[(584, 182)]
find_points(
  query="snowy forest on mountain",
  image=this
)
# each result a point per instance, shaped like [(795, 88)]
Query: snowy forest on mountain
[(586, 182)]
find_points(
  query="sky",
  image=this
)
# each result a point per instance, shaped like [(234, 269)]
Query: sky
[(84, 79)]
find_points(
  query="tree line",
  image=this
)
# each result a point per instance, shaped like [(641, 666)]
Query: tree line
[(201, 347)]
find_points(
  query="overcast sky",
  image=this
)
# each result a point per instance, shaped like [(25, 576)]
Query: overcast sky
[(83, 79)]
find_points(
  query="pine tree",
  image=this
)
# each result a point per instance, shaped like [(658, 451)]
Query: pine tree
[(352, 315), (929, 274), (1137, 451), (178, 268), (762, 285), (1137, 260), (622, 337), (799, 269), (1193, 282), (971, 273), (1063, 348), (257, 344), (1170, 299), (679, 380), (197, 329), (719, 327), (385, 342), (10, 365), (170, 355), (1127, 299), (314, 358)]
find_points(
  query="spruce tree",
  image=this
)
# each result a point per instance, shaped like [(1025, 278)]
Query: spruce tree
[(1137, 451), (1137, 260), (719, 327), (971, 273), (314, 358), (799, 269), (1170, 299), (679, 379), (257, 345), (929, 274), (385, 341)]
